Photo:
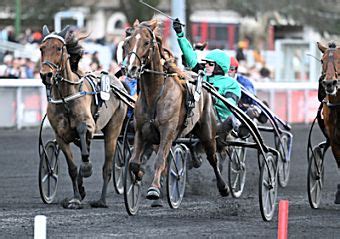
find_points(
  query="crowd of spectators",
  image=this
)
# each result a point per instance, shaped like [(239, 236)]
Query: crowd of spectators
[(258, 69), (14, 66)]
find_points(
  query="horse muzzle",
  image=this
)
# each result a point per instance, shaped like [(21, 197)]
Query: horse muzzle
[(331, 86)]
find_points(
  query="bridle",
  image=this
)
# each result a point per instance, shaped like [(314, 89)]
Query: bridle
[(58, 78), (145, 60), (58, 68), (335, 82), (331, 60)]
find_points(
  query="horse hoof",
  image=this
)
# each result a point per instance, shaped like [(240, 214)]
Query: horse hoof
[(157, 203), (137, 170), (98, 204), (225, 192), (86, 169), (72, 204), (337, 195), (197, 162), (153, 193)]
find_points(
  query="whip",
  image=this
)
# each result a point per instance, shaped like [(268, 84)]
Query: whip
[(159, 11)]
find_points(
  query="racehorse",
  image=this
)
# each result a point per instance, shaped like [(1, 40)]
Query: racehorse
[(160, 113), (331, 107), (73, 111)]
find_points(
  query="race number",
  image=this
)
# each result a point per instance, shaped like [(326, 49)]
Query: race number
[(198, 89), (105, 86)]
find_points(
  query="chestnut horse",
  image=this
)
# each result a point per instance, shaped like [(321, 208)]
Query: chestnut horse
[(331, 104), (73, 110), (160, 112)]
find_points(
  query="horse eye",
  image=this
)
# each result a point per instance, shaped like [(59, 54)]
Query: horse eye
[(146, 43), (59, 48)]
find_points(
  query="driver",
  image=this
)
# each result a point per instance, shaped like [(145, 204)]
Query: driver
[(216, 67)]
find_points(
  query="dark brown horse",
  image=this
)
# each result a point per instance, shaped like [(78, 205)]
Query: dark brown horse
[(331, 107), (73, 111), (160, 112)]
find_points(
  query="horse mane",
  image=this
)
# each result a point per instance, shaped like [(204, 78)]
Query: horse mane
[(74, 49)]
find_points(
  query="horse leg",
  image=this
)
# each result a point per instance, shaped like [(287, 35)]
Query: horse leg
[(86, 168), (166, 139), (72, 170), (135, 160), (210, 149), (110, 140), (336, 154), (206, 135)]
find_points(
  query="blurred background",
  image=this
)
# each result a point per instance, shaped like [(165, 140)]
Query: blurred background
[(274, 41)]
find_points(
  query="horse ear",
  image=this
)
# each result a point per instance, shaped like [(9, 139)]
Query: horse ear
[(153, 24), (321, 47), (45, 31), (136, 23), (64, 31)]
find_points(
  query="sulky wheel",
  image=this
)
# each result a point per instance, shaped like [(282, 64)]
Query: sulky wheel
[(48, 172), (315, 177), (268, 187), (118, 167), (176, 175), (237, 170), (284, 160), (132, 188)]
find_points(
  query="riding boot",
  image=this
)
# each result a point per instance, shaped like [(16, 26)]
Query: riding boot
[(337, 195)]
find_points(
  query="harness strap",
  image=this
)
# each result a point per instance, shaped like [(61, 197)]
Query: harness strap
[(78, 94)]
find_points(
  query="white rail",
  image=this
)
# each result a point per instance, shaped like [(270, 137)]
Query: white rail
[(293, 102)]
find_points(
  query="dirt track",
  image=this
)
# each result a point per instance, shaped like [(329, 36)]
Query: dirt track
[(203, 212)]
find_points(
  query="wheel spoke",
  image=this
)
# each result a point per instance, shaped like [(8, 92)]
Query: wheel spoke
[(314, 186), (54, 176), (234, 170), (130, 189), (237, 177), (45, 177), (266, 201), (174, 191), (173, 173), (178, 190)]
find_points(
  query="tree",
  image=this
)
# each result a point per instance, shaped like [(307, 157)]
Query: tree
[(133, 9)]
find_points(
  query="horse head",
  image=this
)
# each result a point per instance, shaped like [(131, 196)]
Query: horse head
[(140, 47), (53, 54), (330, 67)]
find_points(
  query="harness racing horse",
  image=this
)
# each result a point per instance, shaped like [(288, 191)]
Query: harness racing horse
[(160, 113), (73, 111), (331, 104)]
